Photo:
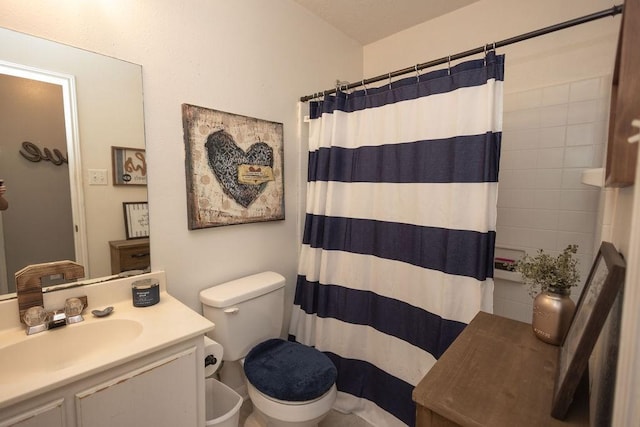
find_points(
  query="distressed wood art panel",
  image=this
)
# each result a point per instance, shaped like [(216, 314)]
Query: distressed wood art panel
[(234, 168)]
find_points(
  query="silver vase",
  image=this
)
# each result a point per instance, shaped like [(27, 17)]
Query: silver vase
[(552, 313)]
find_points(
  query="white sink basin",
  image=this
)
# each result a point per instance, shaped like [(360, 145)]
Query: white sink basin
[(66, 346)]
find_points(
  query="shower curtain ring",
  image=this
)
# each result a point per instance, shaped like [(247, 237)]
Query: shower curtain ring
[(417, 73), (449, 62), (389, 80), (365, 87)]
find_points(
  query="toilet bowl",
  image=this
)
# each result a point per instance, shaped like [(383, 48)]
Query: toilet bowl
[(279, 413), (289, 384)]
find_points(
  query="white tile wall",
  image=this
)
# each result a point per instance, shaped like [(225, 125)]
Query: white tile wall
[(550, 135)]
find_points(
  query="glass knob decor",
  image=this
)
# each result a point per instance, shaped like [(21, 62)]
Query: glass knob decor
[(73, 307), (35, 316)]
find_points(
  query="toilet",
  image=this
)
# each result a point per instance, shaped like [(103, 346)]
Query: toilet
[(289, 384)]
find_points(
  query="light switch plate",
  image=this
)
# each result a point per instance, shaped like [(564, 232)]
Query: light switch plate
[(98, 177)]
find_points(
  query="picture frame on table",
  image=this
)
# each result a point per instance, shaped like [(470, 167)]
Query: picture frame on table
[(603, 284)]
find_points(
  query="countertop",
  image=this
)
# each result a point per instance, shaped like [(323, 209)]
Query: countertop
[(164, 324)]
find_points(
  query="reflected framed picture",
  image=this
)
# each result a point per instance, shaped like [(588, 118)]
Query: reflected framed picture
[(129, 166), (603, 284), (136, 219)]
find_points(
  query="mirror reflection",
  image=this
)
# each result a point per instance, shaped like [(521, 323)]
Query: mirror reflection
[(71, 122)]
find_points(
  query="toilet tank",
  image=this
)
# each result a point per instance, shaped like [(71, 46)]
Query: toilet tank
[(245, 311)]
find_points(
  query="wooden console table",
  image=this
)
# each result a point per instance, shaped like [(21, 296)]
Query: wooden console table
[(496, 373)]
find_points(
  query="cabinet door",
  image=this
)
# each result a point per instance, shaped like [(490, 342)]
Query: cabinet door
[(625, 102), (163, 393), (49, 415)]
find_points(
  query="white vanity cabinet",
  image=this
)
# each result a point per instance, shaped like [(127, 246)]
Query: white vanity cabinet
[(50, 414), (162, 393), (137, 367), (165, 388)]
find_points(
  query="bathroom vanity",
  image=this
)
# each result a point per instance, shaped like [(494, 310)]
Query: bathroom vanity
[(496, 373), (135, 367)]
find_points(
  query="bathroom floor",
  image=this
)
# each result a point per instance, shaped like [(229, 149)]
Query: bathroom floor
[(334, 419)]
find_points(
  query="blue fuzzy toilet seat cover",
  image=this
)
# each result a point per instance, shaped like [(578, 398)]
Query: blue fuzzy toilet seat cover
[(289, 371)]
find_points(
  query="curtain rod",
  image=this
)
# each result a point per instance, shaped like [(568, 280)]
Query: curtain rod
[(615, 10)]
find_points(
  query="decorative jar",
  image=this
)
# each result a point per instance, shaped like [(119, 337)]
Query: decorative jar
[(552, 314)]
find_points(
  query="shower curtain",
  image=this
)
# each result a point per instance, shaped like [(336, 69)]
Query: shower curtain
[(398, 242)]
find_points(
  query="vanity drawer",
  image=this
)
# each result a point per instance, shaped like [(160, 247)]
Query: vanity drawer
[(129, 255)]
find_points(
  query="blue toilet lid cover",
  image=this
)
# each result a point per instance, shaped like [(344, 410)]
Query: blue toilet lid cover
[(289, 371)]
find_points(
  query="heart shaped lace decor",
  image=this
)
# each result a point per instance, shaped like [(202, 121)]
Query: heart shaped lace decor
[(225, 157)]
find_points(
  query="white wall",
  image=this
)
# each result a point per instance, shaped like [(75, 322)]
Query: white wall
[(550, 136), (580, 52), (249, 57)]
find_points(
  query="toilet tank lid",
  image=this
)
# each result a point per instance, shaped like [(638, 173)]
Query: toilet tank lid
[(242, 289)]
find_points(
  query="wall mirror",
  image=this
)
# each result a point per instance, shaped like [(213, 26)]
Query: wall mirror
[(57, 162)]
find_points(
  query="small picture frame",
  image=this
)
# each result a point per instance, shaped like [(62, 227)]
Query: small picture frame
[(600, 291), (129, 166), (136, 219)]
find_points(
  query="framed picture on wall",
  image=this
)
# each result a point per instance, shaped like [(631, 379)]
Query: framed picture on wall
[(129, 166), (234, 168), (600, 291), (136, 219)]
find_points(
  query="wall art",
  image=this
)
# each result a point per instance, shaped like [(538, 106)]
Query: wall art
[(129, 166), (234, 168)]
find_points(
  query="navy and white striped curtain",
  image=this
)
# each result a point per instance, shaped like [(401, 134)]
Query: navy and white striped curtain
[(397, 252)]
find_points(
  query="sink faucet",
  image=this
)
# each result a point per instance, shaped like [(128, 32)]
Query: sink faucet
[(30, 300)]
